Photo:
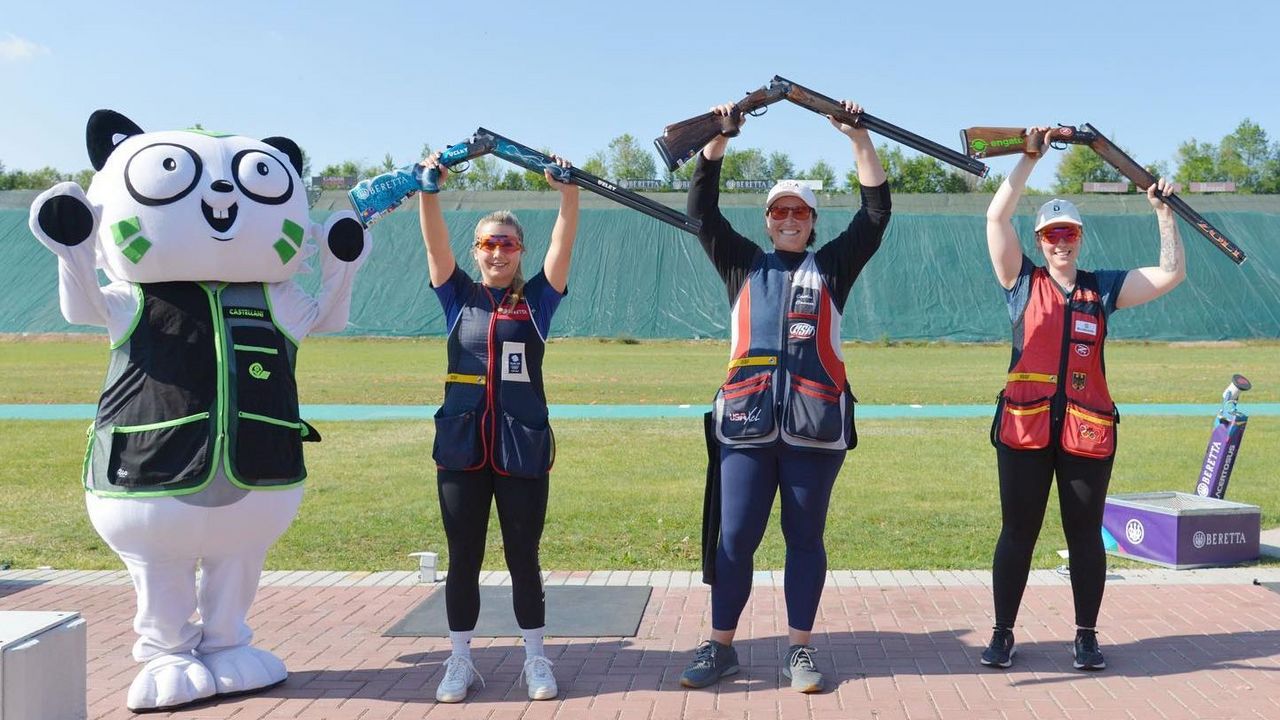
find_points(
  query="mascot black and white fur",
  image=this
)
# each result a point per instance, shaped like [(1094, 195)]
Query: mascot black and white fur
[(194, 466)]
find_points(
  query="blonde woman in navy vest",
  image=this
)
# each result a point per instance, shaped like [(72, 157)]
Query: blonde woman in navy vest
[(1055, 417), (493, 441), (783, 419)]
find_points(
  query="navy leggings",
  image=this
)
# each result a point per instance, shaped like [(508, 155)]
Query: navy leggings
[(749, 478), (465, 498), (1025, 477)]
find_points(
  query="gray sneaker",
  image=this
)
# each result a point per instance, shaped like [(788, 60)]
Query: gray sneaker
[(711, 661), (798, 665)]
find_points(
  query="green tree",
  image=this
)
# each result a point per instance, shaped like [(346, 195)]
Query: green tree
[(1196, 163), (991, 183), (748, 164), (780, 166), (84, 177), (596, 164), (346, 168), (1080, 165), (511, 180), (918, 173), (629, 161), (388, 164), (820, 170), (482, 175)]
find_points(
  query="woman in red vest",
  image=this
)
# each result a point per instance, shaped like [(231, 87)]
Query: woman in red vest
[(1055, 416)]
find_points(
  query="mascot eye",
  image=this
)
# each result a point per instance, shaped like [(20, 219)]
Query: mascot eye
[(262, 177), (162, 173)]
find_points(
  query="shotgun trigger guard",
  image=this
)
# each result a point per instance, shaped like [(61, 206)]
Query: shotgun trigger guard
[(461, 167), (759, 111)]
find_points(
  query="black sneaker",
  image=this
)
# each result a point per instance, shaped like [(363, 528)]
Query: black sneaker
[(1088, 656), (999, 652), (711, 661)]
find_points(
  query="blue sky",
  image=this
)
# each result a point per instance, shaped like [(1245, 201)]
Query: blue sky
[(356, 80)]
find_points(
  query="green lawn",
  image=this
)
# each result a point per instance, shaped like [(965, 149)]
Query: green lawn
[(627, 494), (661, 372)]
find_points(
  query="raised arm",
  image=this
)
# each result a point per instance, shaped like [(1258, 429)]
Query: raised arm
[(435, 234), (1145, 284), (870, 172), (556, 265), (1002, 241)]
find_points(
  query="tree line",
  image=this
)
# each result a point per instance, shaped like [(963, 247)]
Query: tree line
[(1245, 156)]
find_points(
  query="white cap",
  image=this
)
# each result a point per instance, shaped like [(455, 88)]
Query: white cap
[(792, 188), (1057, 212)]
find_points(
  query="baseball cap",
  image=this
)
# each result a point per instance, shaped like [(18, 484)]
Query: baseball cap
[(1057, 212), (792, 188)]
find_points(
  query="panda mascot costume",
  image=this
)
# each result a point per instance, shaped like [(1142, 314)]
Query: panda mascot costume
[(194, 463)]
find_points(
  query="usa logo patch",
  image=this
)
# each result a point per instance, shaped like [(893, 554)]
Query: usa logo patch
[(802, 330)]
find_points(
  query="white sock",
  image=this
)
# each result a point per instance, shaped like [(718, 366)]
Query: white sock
[(461, 643), (533, 642)]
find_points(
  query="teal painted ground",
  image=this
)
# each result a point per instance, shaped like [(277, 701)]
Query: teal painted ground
[(640, 412)]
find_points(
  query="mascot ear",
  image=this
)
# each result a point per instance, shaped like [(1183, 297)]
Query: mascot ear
[(288, 147), (106, 130)]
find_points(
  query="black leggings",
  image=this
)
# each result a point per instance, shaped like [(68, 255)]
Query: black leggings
[(465, 498), (1025, 477)]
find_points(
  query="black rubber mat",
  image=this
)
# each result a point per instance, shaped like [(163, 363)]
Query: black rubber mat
[(572, 611)]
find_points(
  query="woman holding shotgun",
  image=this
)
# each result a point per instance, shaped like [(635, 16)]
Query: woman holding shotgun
[(783, 419), (492, 439), (1055, 416)]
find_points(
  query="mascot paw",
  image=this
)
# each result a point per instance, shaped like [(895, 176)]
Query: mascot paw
[(345, 237), (170, 681), (244, 669), (62, 215)]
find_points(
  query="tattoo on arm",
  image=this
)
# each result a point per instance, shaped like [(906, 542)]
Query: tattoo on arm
[(1170, 257)]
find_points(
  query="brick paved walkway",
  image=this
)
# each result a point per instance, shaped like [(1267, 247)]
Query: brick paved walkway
[(900, 644)]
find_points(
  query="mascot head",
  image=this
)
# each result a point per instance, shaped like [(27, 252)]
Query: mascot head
[(192, 205)]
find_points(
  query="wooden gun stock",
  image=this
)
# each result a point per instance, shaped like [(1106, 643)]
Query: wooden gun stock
[(985, 142), (1130, 168), (823, 105), (682, 140)]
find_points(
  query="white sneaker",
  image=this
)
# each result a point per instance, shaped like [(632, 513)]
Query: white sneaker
[(459, 676), (537, 675)]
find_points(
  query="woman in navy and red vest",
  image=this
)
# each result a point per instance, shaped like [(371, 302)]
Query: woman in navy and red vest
[(783, 419), (1055, 416), (493, 442)]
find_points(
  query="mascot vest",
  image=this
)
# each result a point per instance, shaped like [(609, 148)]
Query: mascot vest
[(786, 379), (203, 377), (1057, 383), (494, 411)]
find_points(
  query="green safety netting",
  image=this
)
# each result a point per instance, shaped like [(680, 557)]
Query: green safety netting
[(636, 277)]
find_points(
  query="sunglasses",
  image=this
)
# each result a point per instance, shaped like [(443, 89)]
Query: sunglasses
[(803, 212), (1061, 234), (508, 243)]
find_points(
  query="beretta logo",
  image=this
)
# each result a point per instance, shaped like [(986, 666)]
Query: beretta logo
[(1134, 531)]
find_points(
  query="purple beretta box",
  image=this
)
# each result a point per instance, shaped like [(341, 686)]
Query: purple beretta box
[(1181, 530)]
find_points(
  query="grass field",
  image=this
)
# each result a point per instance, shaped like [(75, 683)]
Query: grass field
[(627, 494)]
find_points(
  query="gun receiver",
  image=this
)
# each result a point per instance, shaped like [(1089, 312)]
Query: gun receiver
[(682, 140)]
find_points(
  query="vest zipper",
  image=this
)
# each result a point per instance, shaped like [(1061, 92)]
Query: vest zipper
[(489, 420), (220, 358), (1059, 403)]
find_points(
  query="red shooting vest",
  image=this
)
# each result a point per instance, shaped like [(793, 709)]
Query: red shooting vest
[(1057, 378)]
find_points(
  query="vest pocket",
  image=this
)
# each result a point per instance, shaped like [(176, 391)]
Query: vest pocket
[(814, 411), (524, 451), (172, 452), (747, 407), (264, 383), (1024, 425), (1088, 433), (457, 443), (267, 449)]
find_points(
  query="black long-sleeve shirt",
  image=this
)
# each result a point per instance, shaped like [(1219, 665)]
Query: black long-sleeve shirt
[(839, 261)]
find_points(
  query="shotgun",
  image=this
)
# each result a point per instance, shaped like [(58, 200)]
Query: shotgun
[(823, 105), (530, 159), (681, 141), (996, 141)]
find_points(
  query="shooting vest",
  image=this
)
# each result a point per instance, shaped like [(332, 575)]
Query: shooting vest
[(204, 377), (495, 411), (786, 380), (1057, 381)]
